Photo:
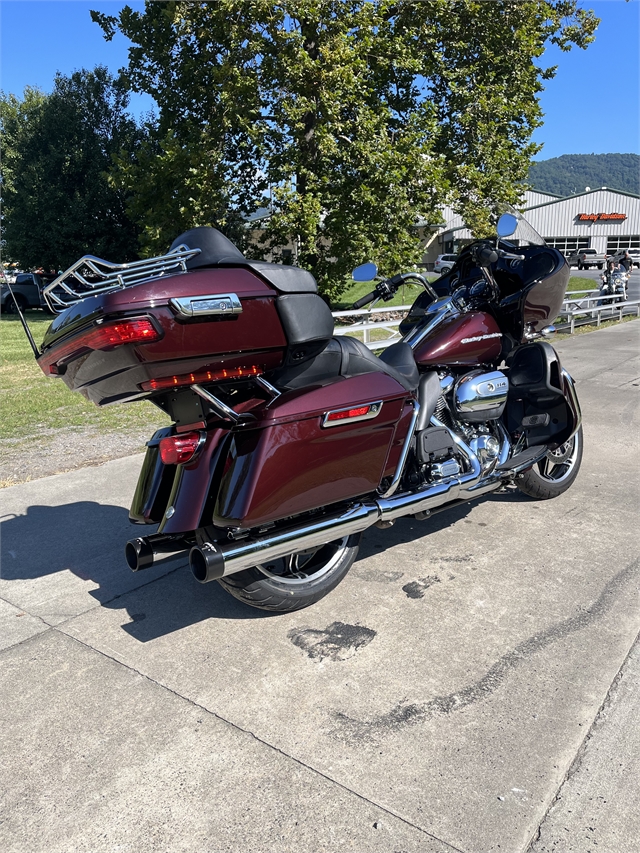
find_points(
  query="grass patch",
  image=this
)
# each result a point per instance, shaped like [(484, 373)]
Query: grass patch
[(33, 402), (357, 289), (581, 283)]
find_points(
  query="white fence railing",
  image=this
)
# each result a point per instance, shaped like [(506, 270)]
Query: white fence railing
[(379, 334)]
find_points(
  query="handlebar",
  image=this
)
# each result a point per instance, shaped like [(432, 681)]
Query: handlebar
[(388, 288), (365, 300)]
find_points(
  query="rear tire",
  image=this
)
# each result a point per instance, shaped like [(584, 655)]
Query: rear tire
[(555, 473), (10, 306), (297, 581), (445, 270)]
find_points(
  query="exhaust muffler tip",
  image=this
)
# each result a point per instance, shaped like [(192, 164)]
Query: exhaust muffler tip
[(207, 563), (138, 554)]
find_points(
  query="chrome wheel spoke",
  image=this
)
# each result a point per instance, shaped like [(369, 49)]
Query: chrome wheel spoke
[(559, 463), (305, 566)]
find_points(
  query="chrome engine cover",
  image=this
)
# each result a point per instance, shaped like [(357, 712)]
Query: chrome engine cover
[(479, 396)]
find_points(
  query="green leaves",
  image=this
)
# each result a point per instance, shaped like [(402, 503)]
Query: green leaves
[(58, 150), (352, 120)]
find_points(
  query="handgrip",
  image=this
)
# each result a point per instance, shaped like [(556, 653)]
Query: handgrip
[(365, 300)]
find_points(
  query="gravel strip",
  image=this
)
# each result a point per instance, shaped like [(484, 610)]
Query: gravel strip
[(53, 451)]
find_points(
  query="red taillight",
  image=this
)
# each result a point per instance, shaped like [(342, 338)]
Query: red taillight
[(178, 449), (348, 413), (201, 376), (357, 413), (133, 330)]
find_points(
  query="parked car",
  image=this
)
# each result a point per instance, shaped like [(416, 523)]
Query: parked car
[(584, 259), (27, 293), (444, 263)]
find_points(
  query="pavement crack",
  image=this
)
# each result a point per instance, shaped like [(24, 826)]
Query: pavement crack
[(450, 847), (405, 713), (580, 753)]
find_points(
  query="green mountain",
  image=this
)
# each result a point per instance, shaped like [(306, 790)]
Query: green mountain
[(572, 173)]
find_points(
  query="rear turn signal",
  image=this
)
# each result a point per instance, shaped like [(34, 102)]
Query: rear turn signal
[(200, 376), (178, 449)]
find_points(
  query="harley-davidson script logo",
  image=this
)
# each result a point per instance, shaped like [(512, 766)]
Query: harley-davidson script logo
[(601, 217), (481, 338)]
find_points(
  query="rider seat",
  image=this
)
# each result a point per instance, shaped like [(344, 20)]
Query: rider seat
[(347, 357)]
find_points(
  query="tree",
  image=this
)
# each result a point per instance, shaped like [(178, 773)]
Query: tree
[(58, 203), (361, 117)]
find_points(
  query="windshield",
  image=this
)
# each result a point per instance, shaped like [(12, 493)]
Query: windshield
[(525, 234)]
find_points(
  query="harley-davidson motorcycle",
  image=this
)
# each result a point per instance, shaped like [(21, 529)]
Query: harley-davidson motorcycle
[(286, 443)]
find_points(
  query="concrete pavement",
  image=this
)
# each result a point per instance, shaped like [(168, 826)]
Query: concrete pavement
[(472, 685)]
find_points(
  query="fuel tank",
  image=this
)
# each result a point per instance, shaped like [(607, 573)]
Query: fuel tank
[(463, 339)]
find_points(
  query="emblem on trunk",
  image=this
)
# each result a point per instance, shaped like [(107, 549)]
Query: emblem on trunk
[(202, 306)]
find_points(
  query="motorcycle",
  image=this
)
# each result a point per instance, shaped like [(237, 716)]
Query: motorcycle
[(287, 443), (614, 283)]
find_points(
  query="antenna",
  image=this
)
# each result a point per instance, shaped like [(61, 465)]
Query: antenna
[(27, 330)]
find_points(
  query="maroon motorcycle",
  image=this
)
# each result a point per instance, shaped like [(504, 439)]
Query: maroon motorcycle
[(286, 443)]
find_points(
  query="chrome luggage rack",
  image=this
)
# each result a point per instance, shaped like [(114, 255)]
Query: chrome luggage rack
[(90, 276)]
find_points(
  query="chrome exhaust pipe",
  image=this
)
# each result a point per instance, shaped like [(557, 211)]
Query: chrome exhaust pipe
[(147, 551), (211, 562)]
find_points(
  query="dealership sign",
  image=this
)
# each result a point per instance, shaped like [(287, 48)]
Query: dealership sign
[(601, 217)]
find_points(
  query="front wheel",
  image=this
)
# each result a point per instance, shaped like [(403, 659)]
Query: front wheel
[(294, 582), (554, 474)]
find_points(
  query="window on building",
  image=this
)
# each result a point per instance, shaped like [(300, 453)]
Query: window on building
[(566, 245), (622, 244)]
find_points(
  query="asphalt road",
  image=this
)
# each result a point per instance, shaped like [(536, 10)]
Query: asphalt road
[(472, 685)]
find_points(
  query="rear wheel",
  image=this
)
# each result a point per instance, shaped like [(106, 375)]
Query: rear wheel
[(296, 581), (12, 303), (445, 270), (555, 473)]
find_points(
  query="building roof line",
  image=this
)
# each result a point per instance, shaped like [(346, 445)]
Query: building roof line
[(577, 195)]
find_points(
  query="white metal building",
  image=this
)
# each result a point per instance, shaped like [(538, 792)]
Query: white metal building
[(603, 219)]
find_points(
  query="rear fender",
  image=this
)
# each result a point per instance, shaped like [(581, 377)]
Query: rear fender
[(194, 483), (176, 495)]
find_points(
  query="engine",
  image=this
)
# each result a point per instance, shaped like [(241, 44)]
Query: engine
[(480, 397), (469, 408)]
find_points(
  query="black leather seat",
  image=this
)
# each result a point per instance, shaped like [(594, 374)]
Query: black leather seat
[(346, 356)]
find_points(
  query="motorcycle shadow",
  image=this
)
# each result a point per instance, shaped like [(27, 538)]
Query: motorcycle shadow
[(410, 529), (87, 540)]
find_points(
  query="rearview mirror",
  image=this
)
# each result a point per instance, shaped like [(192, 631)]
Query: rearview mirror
[(507, 224), (365, 272)]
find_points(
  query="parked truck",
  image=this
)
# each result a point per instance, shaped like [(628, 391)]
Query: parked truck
[(584, 259), (27, 293)]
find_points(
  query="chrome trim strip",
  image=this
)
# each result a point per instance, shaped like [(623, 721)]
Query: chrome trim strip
[(405, 450), (441, 309), (271, 389), (374, 410), (571, 385), (204, 306), (223, 410)]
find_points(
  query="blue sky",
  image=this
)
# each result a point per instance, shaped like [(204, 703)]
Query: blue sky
[(40, 37)]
